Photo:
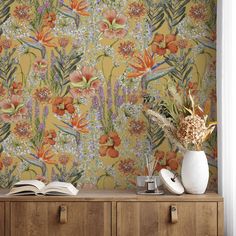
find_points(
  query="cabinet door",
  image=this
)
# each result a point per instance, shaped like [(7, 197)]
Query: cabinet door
[(78, 218), (2, 212), (152, 219), (83, 218), (29, 218)]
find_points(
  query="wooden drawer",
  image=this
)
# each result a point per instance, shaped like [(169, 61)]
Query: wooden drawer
[(154, 218), (43, 218)]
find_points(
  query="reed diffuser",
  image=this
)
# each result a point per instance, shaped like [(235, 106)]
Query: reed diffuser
[(151, 163)]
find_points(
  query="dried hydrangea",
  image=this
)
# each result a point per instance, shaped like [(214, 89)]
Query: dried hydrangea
[(191, 130)]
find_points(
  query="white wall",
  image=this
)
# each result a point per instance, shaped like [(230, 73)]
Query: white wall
[(226, 79)]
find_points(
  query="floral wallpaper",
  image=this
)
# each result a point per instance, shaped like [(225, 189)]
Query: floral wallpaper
[(76, 75)]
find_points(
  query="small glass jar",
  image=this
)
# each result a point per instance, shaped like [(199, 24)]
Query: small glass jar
[(150, 185), (141, 183)]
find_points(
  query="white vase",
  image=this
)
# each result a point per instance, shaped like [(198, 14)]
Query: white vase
[(195, 172)]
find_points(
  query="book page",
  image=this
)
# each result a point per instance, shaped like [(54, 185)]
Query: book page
[(24, 190), (36, 183), (60, 187)]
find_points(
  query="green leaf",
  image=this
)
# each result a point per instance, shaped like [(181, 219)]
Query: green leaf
[(208, 43), (155, 17), (175, 13), (155, 76), (69, 131), (5, 10)]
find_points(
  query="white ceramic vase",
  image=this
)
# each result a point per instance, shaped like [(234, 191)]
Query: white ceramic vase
[(195, 172)]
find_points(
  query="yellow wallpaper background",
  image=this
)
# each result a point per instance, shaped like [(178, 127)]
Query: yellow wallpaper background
[(76, 75)]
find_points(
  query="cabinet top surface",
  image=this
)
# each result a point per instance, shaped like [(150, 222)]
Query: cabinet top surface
[(115, 195)]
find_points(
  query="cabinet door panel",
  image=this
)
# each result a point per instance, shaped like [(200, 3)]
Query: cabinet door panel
[(83, 218), (152, 219), (43, 218), (29, 219), (2, 212)]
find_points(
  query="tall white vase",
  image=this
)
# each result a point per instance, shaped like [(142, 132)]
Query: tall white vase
[(195, 172)]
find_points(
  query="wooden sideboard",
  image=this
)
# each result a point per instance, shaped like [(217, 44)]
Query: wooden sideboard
[(111, 213)]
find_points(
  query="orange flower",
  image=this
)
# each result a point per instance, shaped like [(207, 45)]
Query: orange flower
[(108, 144), (166, 160), (7, 161), (136, 127), (6, 43), (126, 49), (45, 38), (22, 13), (40, 66), (42, 95), (41, 178), (213, 36), (182, 43), (80, 7), (198, 12), (127, 166), (49, 20), (49, 137), (12, 109), (143, 65), (44, 154), (23, 130), (16, 88), (63, 42), (84, 82), (63, 159), (2, 90), (136, 10), (193, 87), (80, 123), (113, 25), (61, 105), (162, 43)]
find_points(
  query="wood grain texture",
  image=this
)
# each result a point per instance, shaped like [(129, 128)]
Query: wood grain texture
[(7, 219), (206, 218), (29, 218), (42, 218), (84, 218), (114, 195), (2, 221), (114, 218), (220, 219), (113, 213), (152, 219)]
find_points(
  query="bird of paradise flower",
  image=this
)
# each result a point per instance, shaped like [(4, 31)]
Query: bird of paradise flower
[(146, 67), (77, 126), (40, 158), (41, 39), (75, 10)]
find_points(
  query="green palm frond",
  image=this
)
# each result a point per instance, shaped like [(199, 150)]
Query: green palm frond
[(4, 131), (175, 12), (5, 7), (155, 17), (62, 68)]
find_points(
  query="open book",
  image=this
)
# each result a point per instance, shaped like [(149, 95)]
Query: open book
[(36, 187)]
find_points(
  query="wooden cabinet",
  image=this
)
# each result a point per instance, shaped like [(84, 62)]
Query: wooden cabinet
[(152, 219), (111, 213), (2, 222), (60, 218)]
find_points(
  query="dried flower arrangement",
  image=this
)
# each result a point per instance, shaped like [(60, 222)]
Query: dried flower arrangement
[(190, 131)]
